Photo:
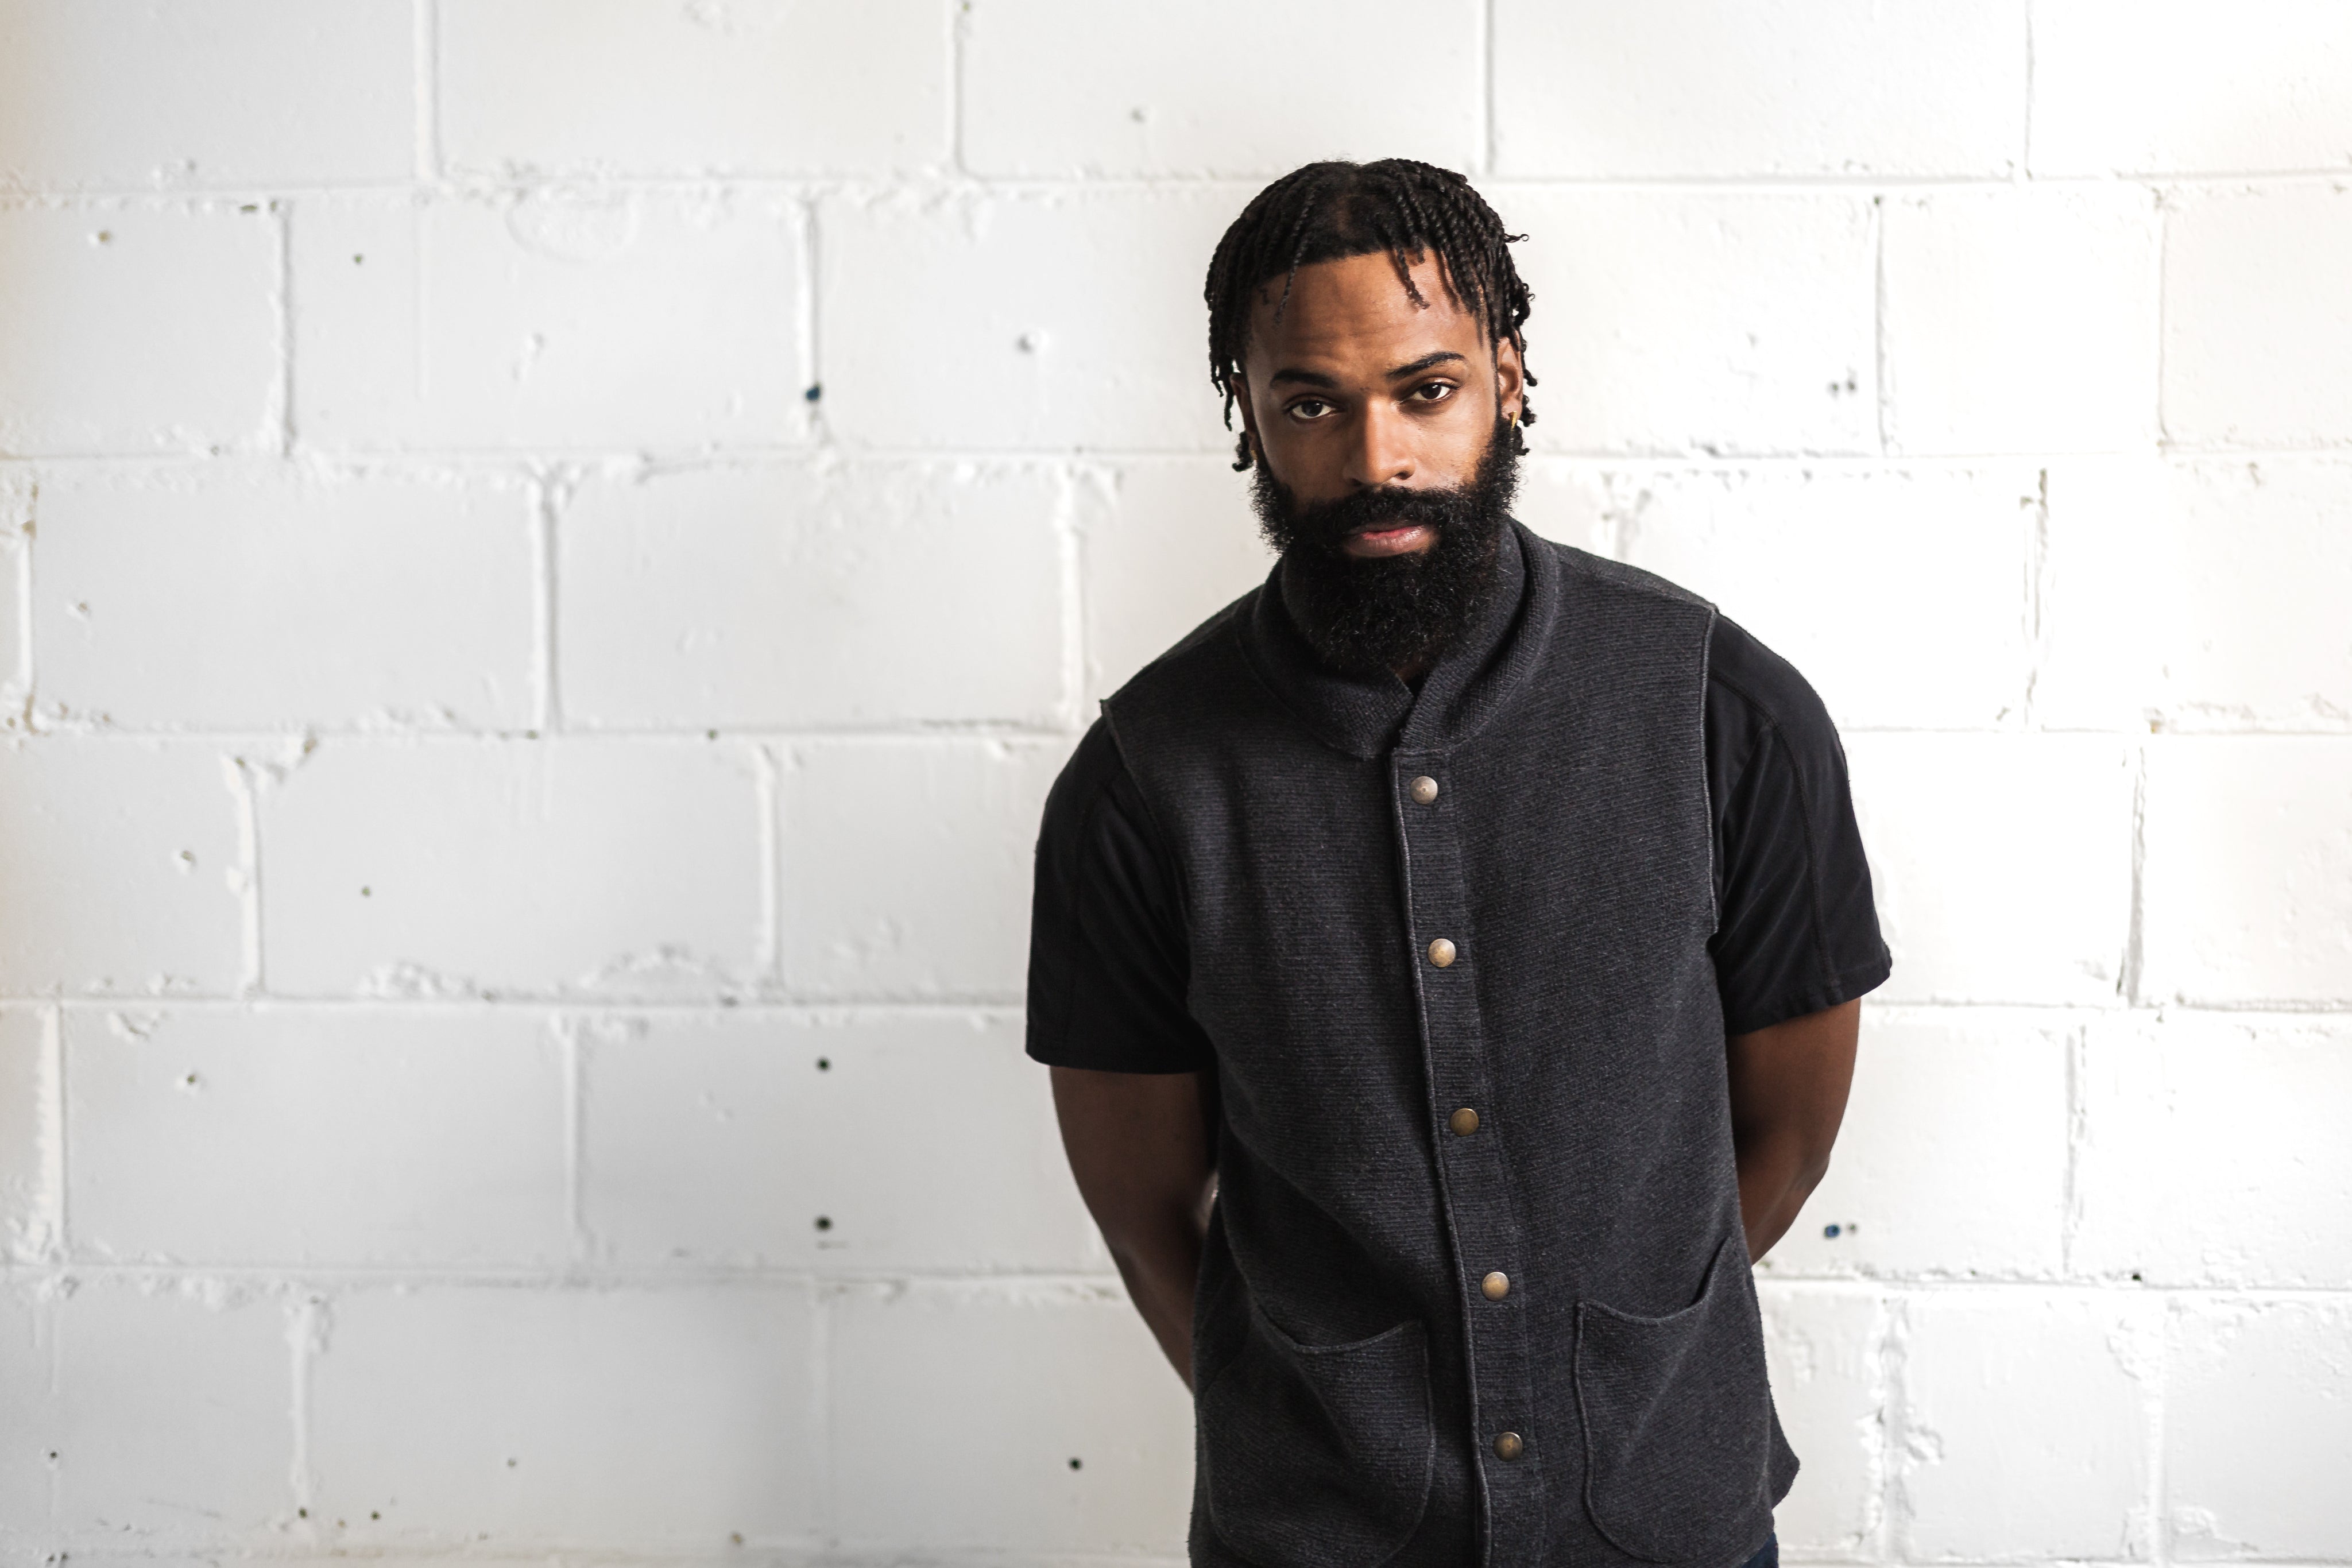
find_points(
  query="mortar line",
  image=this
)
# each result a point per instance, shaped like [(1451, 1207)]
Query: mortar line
[(304, 1330), (2163, 266), (27, 533), (1878, 314), (53, 1045), (1486, 62), (2159, 1479), (282, 323), (2130, 978), (547, 695), (812, 325), (246, 789), (1024, 186), (582, 1245), (2037, 566), (2070, 1217), (956, 28), (425, 67), (767, 793), (1896, 1439), (2025, 138)]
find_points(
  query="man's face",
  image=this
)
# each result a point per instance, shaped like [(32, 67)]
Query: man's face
[(1386, 467), (1357, 388)]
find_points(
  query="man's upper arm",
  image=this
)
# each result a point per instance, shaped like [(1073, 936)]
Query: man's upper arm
[(1797, 931), (1108, 960)]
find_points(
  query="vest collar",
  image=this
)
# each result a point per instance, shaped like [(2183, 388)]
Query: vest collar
[(1471, 681)]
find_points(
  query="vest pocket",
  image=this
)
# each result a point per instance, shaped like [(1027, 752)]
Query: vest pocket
[(1677, 1420), (1319, 1455)]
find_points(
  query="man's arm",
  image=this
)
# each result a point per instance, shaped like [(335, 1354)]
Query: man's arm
[(1788, 1086), (1138, 1145)]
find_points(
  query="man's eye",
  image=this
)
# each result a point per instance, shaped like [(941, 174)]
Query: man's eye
[(1435, 391), (1310, 408)]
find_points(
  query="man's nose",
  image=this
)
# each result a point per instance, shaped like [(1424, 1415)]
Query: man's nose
[(1383, 450)]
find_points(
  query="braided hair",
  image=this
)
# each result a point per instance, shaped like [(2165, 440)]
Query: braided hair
[(1325, 212)]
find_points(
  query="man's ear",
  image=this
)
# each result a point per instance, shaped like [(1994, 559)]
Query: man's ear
[(1510, 379), (1249, 421)]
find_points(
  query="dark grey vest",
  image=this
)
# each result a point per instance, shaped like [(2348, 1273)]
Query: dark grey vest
[(1360, 1378)]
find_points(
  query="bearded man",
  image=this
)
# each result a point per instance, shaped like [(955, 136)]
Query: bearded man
[(1447, 958)]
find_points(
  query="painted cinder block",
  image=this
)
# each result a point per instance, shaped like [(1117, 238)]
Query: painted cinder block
[(749, 88), (132, 327), (32, 1145), (2258, 316), (1585, 89), (2247, 870), (1826, 1348), (856, 1142), (907, 866), (2020, 321), (611, 1417), (1671, 321), (858, 594), (2001, 864), (1952, 1159), (1049, 89), (1031, 1417), (1899, 595), (156, 1411), (2258, 1420), (2026, 1426), (2121, 87), (457, 867), (124, 868), (595, 318), (299, 1136), (2200, 594), (374, 600), (2213, 1150), (122, 95), (1163, 545), (1047, 319), (15, 590)]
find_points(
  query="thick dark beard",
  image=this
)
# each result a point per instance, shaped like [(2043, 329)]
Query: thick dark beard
[(1374, 616)]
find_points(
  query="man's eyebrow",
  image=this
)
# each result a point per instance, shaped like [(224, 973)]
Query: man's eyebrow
[(1425, 363), (1310, 377)]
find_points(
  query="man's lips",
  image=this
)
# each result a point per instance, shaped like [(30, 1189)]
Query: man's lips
[(1393, 538)]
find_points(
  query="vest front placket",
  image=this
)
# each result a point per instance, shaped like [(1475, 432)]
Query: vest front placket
[(1473, 1177)]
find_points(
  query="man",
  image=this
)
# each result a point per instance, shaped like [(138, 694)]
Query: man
[(1447, 957)]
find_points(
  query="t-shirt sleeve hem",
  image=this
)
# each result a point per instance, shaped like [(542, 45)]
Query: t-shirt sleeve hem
[(1842, 987), (1112, 1060)]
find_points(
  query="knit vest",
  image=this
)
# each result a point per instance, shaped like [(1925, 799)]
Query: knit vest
[(1475, 1287)]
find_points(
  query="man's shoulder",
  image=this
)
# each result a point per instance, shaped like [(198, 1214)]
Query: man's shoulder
[(1613, 579), (1191, 659)]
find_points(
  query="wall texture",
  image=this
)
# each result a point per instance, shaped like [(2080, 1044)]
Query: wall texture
[(552, 548)]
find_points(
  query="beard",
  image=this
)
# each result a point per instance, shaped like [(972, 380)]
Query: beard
[(1376, 615)]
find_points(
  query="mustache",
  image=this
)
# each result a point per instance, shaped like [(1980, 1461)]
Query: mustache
[(1328, 524)]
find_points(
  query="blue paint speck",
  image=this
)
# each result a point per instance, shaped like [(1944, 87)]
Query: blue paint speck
[(1831, 1231)]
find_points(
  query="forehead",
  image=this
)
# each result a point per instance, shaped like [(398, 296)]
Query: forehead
[(1356, 308)]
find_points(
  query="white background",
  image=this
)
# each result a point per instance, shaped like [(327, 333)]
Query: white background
[(553, 548)]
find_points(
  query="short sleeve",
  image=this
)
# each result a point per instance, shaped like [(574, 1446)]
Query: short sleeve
[(1797, 928), (1108, 960)]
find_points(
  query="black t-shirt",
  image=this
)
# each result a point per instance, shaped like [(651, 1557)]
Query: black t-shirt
[(1796, 932)]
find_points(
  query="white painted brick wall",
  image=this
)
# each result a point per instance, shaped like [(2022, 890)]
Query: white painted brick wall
[(549, 553)]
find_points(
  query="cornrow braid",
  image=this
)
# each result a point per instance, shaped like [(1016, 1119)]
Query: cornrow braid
[(1324, 212)]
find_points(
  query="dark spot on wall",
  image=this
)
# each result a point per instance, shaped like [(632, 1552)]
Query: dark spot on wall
[(816, 390), (1831, 1231), (367, 892), (825, 1064), (1075, 1464), (824, 1222), (358, 260)]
